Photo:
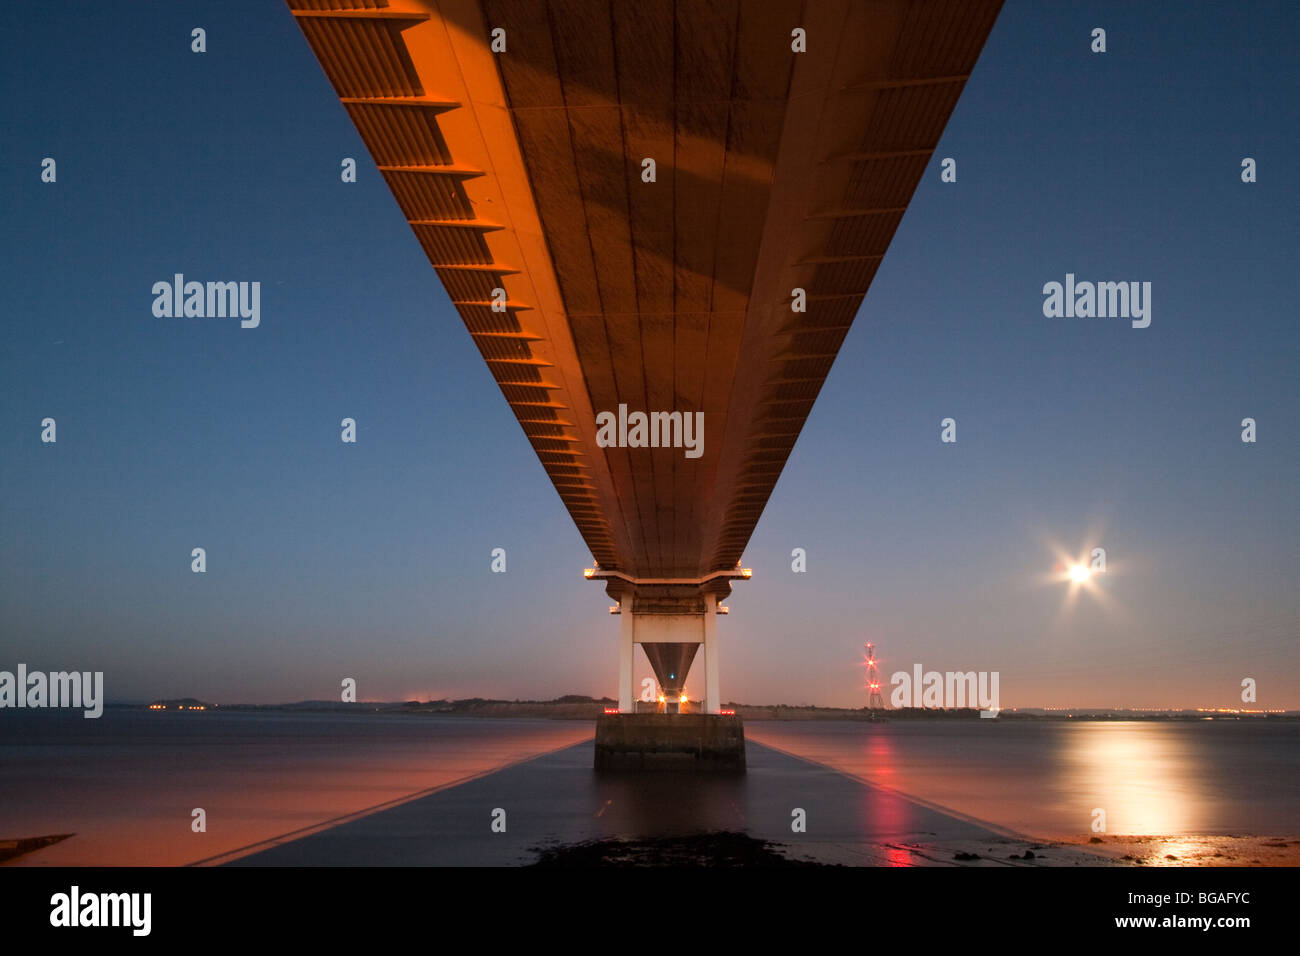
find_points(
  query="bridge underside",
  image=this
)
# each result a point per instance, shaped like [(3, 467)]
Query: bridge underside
[(522, 172)]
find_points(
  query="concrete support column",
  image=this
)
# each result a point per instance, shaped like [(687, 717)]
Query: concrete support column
[(626, 655), (712, 696)]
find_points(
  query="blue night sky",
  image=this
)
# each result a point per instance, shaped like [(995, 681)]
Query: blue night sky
[(371, 560)]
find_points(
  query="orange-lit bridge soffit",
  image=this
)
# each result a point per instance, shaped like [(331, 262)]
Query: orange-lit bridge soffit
[(786, 138)]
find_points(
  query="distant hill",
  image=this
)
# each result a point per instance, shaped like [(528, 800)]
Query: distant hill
[(570, 706), (582, 707)]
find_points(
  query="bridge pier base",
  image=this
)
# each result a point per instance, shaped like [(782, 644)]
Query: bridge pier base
[(691, 742)]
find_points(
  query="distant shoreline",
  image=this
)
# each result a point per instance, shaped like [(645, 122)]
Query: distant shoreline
[(577, 707)]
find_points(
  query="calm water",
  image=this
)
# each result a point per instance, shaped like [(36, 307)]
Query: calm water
[(126, 783), (1046, 778)]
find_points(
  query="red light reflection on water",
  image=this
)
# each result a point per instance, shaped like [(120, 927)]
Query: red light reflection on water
[(879, 756), (897, 856), (883, 812)]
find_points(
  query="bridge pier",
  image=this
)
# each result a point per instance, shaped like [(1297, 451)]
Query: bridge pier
[(672, 620), (626, 663), (712, 695), (671, 630)]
